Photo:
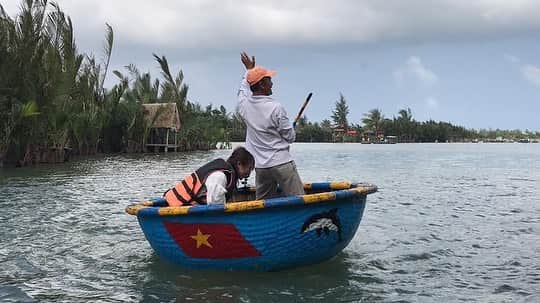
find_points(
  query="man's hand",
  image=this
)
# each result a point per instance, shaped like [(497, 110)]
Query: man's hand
[(248, 63)]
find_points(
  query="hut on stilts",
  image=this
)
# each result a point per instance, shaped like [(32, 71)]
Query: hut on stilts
[(164, 122)]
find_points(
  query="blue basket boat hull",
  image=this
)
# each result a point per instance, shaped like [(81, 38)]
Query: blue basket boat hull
[(286, 232)]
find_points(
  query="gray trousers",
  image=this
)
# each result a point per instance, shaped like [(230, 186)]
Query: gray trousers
[(285, 175)]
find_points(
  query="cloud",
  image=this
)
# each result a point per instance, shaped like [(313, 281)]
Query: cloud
[(415, 69), (432, 103), (238, 23), (531, 73)]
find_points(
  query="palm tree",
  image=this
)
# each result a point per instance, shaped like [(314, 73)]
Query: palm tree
[(40, 66), (173, 89), (405, 115), (88, 106), (373, 120), (405, 124), (143, 90)]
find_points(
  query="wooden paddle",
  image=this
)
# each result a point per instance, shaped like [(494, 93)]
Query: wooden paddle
[(302, 109)]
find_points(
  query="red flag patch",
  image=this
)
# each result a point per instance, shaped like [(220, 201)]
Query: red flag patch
[(211, 240)]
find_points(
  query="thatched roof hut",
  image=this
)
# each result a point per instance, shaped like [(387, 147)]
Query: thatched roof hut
[(164, 122), (162, 115)]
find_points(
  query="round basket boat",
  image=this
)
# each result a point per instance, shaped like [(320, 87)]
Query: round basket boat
[(261, 235)]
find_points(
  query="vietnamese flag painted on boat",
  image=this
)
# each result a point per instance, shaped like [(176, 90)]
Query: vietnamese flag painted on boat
[(211, 240)]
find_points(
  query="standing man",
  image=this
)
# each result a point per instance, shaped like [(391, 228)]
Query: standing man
[(269, 133)]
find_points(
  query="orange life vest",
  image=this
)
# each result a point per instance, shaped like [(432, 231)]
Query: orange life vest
[(188, 191)]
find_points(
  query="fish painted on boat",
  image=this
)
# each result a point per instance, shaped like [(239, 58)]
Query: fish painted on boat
[(323, 222)]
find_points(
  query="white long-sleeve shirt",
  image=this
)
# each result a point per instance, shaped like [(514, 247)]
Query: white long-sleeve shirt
[(216, 188), (269, 131)]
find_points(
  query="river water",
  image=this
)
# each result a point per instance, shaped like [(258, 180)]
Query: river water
[(451, 223)]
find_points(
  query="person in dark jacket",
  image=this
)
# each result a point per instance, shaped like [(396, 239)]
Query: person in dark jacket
[(212, 182)]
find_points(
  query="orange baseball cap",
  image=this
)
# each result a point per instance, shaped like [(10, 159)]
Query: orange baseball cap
[(255, 74)]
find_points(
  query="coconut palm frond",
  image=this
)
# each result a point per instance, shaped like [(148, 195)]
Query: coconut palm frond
[(165, 71), (107, 52), (29, 109), (133, 70), (118, 74)]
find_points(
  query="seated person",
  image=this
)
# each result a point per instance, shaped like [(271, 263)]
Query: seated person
[(212, 183)]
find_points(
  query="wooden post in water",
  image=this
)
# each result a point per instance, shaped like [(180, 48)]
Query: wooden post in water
[(175, 141), (167, 141)]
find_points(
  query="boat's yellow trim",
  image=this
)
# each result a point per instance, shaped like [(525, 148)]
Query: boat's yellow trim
[(244, 206), (173, 211), (362, 190), (147, 203), (340, 185), (315, 198), (333, 185), (134, 209)]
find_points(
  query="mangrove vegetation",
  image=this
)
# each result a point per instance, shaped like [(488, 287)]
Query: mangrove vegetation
[(53, 102)]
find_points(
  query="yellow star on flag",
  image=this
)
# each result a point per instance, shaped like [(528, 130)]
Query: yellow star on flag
[(201, 239)]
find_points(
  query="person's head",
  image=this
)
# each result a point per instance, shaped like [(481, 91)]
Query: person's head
[(242, 161), (260, 80)]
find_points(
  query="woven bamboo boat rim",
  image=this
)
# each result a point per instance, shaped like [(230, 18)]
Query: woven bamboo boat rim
[(338, 191)]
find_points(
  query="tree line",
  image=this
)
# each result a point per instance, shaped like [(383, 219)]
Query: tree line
[(374, 127), (53, 102)]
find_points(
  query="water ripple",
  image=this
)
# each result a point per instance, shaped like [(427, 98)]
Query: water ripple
[(451, 223)]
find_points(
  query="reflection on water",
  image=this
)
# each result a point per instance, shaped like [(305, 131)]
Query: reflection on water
[(331, 279), (451, 222)]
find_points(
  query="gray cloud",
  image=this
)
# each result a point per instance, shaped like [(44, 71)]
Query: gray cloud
[(224, 24), (415, 69)]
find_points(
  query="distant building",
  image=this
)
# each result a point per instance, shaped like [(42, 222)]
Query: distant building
[(391, 139), (164, 121), (338, 132)]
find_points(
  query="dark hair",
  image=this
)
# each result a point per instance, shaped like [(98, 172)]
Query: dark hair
[(240, 154), (257, 86)]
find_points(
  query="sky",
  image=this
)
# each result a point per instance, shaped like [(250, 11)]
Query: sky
[(473, 63)]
